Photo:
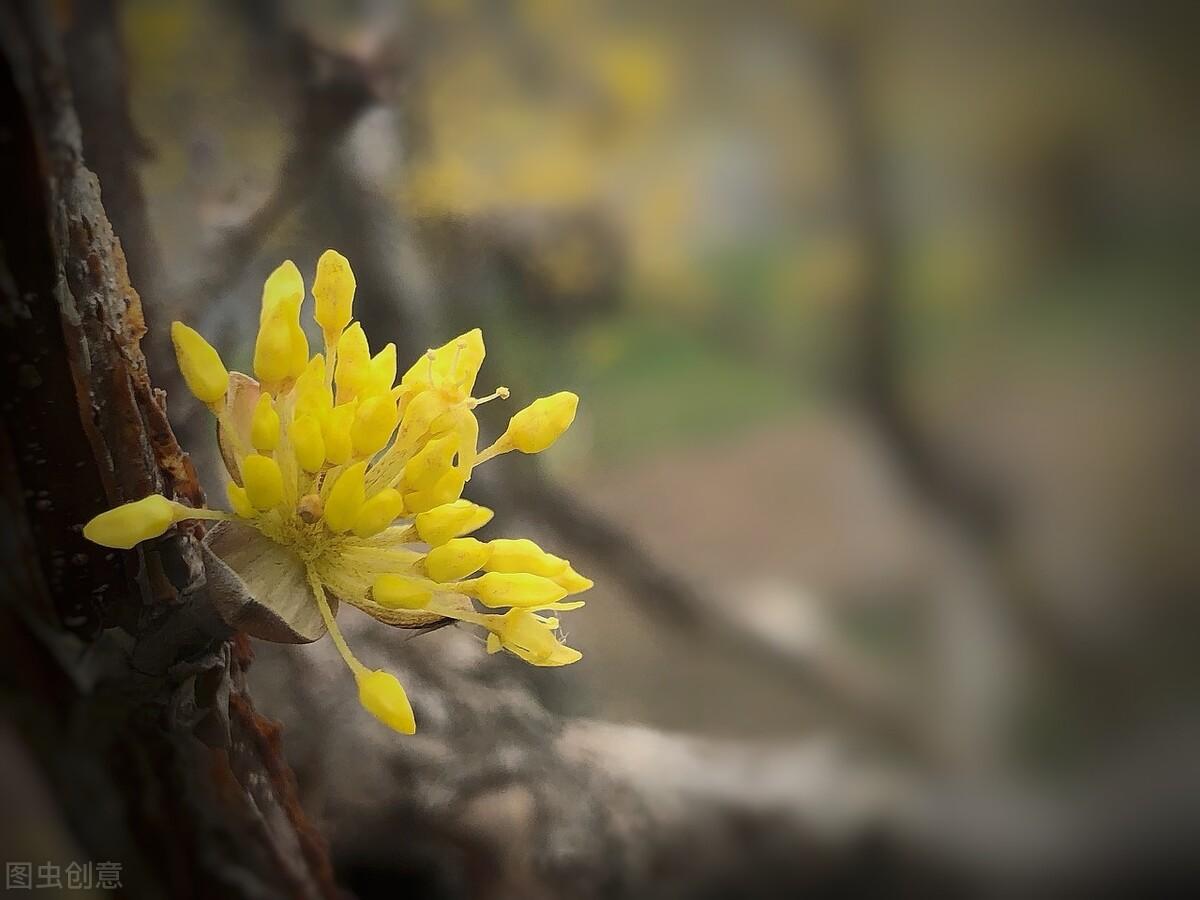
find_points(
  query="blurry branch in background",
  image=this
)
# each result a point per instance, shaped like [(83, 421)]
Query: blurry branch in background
[(334, 90), (542, 806), (846, 686), (876, 366), (850, 691), (990, 592), (496, 797)]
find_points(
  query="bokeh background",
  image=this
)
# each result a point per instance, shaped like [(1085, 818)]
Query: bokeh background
[(884, 319)]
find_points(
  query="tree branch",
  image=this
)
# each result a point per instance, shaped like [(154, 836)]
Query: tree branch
[(967, 506), (118, 674), (850, 691), (334, 90), (537, 806)]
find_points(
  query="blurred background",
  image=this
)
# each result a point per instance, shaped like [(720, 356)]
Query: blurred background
[(884, 322)]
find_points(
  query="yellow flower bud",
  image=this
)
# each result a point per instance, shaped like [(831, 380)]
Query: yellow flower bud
[(272, 350), (513, 589), (201, 365), (456, 559), (530, 637), (285, 285), (523, 555), (382, 371), (453, 368), (447, 489), (281, 348), (346, 498), (398, 592), (417, 376), (463, 358), (383, 697), (378, 512), (374, 421), (419, 413), (353, 363), (333, 291), (439, 525), (240, 501), (335, 429), (461, 422), (562, 655), (307, 443), (542, 422), (131, 523), (431, 463), (263, 481), (264, 425), (313, 395), (526, 631), (572, 581)]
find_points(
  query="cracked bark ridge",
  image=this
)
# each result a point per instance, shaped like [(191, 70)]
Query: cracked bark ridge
[(116, 674)]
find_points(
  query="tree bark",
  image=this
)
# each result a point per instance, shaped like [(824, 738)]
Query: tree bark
[(122, 692)]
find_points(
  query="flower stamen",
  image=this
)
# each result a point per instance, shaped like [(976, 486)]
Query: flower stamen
[(500, 393)]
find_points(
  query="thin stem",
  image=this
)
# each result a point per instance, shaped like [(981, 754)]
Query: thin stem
[(462, 615), (492, 452), (203, 513), (334, 632), (331, 361)]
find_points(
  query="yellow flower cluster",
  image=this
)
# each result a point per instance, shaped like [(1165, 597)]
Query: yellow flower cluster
[(359, 479)]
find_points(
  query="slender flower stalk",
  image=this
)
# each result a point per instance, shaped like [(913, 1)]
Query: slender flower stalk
[(338, 471)]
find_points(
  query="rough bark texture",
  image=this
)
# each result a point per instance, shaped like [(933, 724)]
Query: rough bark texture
[(496, 797), (117, 678)]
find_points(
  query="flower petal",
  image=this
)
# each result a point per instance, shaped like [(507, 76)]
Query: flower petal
[(240, 403), (259, 587)]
